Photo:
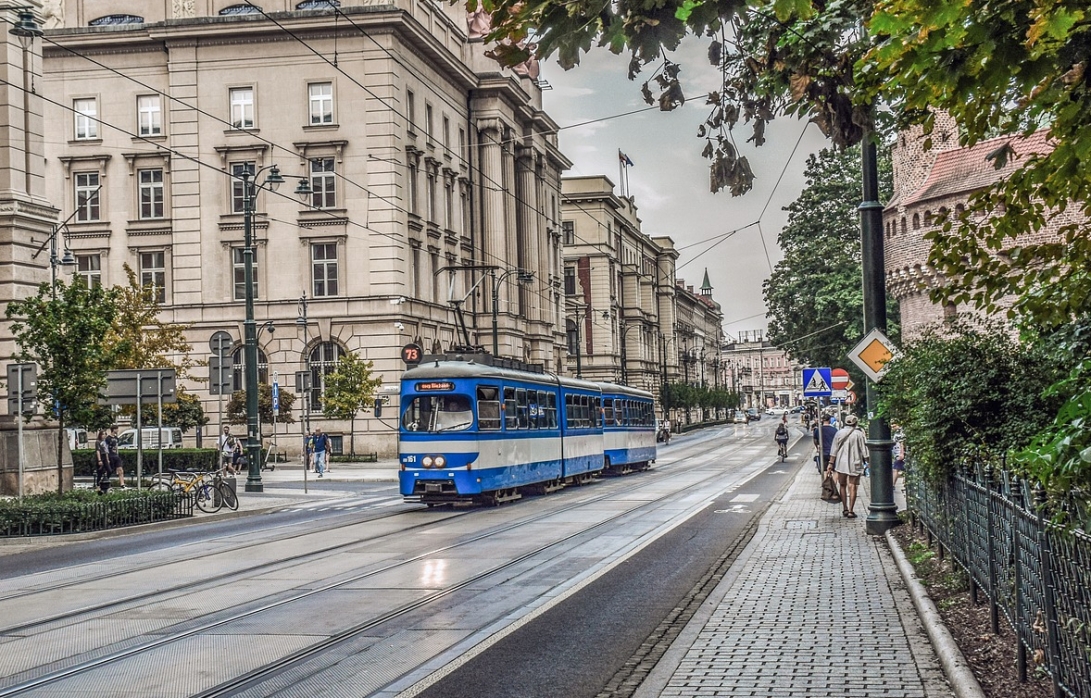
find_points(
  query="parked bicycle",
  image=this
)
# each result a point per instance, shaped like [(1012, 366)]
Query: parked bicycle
[(209, 490)]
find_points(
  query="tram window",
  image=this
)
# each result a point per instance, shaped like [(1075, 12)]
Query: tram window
[(596, 412), (521, 411), (488, 408), (569, 413), (551, 410), (510, 410), (608, 412), (438, 413), (585, 411), (532, 408)]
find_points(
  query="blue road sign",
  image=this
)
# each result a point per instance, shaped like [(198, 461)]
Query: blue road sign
[(276, 397), (816, 382)]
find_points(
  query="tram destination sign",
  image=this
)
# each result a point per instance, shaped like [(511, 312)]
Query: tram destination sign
[(434, 386)]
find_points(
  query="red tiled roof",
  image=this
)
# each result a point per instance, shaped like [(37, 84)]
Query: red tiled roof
[(960, 170)]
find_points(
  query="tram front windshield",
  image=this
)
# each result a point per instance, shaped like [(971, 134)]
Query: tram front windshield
[(438, 413)]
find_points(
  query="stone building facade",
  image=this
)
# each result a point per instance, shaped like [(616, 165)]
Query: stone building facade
[(929, 185), (422, 157), (628, 318), (763, 375)]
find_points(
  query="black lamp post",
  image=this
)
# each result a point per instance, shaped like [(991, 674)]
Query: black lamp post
[(883, 512), (250, 188), (578, 312), (26, 29)]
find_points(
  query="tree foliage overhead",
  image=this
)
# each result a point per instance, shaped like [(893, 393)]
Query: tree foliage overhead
[(814, 295), (1005, 69), (793, 57)]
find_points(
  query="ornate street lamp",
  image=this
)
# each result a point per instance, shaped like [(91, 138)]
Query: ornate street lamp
[(250, 188)]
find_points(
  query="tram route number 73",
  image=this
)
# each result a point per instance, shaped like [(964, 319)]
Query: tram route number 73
[(412, 354)]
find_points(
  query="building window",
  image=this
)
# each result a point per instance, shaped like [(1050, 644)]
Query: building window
[(321, 99), (241, 10), (413, 187), (238, 192), (86, 111), (324, 269), (916, 221), (449, 204), (238, 369), (432, 196), (149, 117), (573, 336), (322, 183), (410, 111), (153, 272), (151, 193), (238, 266), (324, 358), (447, 135), (89, 268), (242, 107), (428, 122), (87, 196), (569, 230), (570, 281)]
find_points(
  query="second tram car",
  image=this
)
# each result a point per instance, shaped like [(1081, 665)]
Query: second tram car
[(477, 429)]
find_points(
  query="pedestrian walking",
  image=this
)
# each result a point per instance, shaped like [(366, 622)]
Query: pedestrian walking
[(308, 449), (115, 457), (898, 453), (102, 463), (230, 450), (847, 459), (321, 451), (823, 441)]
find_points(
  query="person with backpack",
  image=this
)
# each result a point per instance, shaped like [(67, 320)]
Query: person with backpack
[(781, 437), (229, 451), (102, 463), (321, 451)]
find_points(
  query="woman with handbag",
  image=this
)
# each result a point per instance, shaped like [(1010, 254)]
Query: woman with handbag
[(848, 456)]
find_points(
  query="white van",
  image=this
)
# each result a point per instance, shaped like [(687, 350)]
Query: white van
[(171, 437), (77, 438)]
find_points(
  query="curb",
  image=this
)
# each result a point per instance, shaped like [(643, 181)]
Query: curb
[(954, 664)]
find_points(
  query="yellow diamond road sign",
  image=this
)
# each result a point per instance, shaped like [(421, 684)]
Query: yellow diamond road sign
[(872, 354)]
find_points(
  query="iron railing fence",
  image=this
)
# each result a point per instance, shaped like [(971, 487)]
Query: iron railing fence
[(1032, 570), (58, 517)]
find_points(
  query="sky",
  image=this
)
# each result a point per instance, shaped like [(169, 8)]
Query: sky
[(669, 179)]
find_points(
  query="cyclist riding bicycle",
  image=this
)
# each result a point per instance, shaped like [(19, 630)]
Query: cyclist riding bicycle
[(781, 437)]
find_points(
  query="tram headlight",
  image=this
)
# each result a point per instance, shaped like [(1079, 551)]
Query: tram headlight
[(440, 461), (426, 461)]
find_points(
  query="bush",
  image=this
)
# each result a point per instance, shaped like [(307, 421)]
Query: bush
[(970, 388), (84, 510), (83, 460)]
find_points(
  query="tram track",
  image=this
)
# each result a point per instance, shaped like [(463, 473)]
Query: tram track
[(694, 461)]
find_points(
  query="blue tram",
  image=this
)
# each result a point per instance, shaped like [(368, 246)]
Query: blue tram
[(474, 428)]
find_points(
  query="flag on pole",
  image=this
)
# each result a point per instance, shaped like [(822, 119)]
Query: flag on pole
[(624, 158)]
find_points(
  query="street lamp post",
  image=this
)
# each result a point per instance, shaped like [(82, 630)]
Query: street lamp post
[(250, 188), (525, 277), (579, 366), (26, 29)]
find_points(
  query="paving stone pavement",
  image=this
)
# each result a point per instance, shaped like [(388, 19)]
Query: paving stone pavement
[(813, 607)]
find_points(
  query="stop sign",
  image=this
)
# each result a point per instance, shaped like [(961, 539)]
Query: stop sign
[(839, 379)]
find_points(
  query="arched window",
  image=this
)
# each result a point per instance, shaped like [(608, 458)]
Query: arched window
[(903, 225), (959, 210), (928, 218), (238, 368), (916, 221), (317, 4), (112, 20), (241, 10), (324, 358)]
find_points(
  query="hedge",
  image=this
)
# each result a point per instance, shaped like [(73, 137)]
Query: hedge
[(83, 460), (86, 510)]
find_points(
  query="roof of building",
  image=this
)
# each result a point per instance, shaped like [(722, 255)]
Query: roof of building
[(960, 170)]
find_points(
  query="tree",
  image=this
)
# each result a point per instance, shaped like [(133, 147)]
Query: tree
[(138, 338), (814, 296), (349, 389), (999, 70), (794, 57), (236, 406), (186, 413), (63, 329)]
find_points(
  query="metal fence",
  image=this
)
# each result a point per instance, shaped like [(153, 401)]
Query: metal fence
[(57, 517), (1033, 571)]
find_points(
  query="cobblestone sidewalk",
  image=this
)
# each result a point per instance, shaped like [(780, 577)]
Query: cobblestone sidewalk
[(813, 607)]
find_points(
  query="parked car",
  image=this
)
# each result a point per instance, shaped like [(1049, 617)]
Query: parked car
[(151, 436), (740, 417), (754, 413), (77, 437)]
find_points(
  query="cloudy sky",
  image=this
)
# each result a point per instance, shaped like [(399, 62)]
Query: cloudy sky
[(669, 178)]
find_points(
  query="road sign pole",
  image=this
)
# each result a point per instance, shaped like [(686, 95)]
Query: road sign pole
[(19, 420), (139, 434)]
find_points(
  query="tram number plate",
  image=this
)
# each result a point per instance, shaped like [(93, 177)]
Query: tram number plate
[(433, 487)]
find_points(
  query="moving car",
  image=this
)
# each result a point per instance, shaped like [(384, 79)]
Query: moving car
[(740, 417), (754, 413)]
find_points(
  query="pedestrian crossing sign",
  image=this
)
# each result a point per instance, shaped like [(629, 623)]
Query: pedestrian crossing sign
[(816, 382)]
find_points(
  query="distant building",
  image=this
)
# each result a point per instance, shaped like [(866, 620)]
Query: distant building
[(763, 375)]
